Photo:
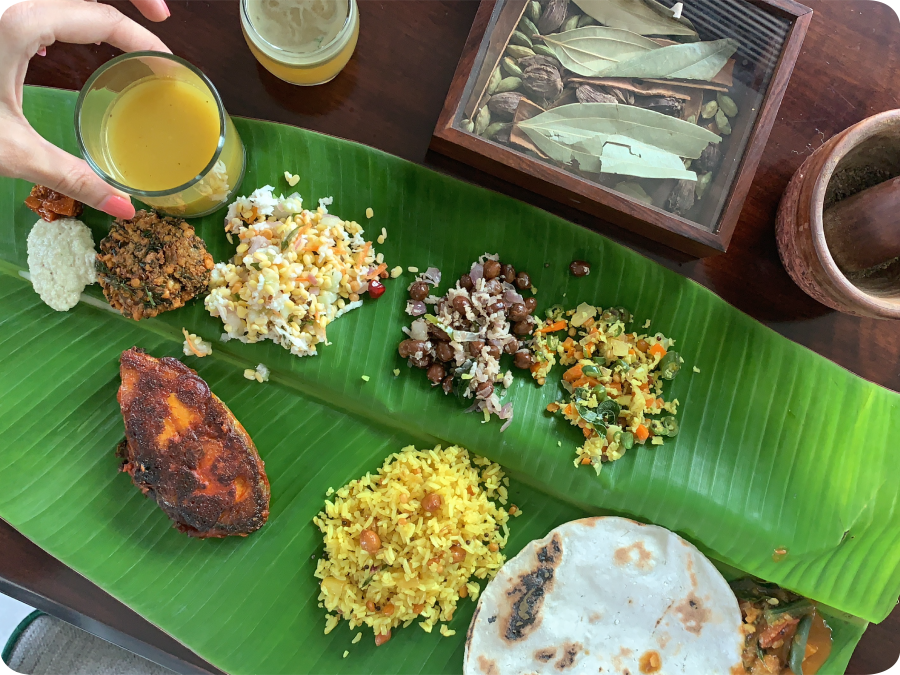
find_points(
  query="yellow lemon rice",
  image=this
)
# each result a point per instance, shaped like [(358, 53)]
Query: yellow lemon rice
[(423, 560)]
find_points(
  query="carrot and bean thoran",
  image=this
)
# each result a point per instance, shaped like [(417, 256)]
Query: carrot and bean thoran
[(614, 379)]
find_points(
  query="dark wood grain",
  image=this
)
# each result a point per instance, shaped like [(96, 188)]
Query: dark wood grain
[(390, 97)]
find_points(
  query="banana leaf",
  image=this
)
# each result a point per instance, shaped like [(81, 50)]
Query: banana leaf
[(779, 447)]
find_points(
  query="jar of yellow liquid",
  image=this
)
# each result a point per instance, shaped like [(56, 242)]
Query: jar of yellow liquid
[(153, 126), (303, 42)]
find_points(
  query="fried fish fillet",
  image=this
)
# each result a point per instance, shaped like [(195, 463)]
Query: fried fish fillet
[(184, 448)]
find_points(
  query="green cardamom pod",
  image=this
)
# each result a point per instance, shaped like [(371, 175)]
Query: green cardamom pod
[(585, 20), (723, 123), (544, 50), (527, 26), (518, 52), (510, 68), (519, 38), (482, 120), (508, 84), (533, 11), (692, 119), (494, 80), (496, 127), (727, 104), (467, 125), (571, 23), (709, 110), (703, 182)]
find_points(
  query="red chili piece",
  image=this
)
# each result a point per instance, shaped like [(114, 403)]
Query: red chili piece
[(376, 289)]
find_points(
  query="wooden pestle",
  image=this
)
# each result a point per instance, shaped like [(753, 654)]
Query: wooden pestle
[(863, 231)]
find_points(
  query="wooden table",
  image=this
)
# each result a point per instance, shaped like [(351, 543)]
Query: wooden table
[(389, 97)]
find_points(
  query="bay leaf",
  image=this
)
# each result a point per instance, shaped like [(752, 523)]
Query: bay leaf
[(644, 17), (694, 61), (562, 153), (589, 50), (627, 157), (577, 122), (517, 136), (634, 190)]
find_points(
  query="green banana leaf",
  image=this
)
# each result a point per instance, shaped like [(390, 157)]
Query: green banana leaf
[(778, 447)]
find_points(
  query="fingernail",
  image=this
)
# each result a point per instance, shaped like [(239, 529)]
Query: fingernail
[(118, 207), (42, 51), (168, 11)]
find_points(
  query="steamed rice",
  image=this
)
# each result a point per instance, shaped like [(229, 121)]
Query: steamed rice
[(412, 576)]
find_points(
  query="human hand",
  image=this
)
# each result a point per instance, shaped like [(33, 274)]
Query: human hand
[(26, 28)]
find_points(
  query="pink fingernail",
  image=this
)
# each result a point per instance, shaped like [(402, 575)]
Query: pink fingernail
[(168, 11), (42, 51), (118, 207)]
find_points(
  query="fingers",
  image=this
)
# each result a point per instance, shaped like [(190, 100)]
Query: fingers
[(155, 10), (83, 23), (45, 164), (94, 22)]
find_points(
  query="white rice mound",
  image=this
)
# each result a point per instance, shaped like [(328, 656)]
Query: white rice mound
[(61, 261)]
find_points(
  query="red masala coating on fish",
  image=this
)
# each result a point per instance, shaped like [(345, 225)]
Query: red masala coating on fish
[(185, 449)]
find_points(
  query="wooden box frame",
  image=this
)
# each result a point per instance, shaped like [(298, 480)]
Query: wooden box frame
[(595, 199)]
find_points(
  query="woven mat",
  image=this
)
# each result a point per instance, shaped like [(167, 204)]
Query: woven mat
[(50, 646)]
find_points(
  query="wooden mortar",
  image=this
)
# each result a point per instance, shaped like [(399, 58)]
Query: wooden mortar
[(870, 145)]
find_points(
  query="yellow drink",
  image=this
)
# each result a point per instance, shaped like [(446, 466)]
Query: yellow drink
[(153, 126), (161, 133), (303, 42)]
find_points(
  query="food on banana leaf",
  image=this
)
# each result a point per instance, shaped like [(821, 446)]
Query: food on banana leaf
[(403, 545), (61, 261), (579, 268), (184, 448), (606, 595), (614, 379), (295, 271), (461, 342), (784, 632), (152, 264), (51, 205), (195, 345)]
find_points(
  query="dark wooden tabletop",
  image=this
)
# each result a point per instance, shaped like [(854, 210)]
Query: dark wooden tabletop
[(389, 97)]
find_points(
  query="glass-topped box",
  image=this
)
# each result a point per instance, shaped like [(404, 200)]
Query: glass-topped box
[(651, 114)]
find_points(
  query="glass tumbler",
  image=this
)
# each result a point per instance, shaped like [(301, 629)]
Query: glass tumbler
[(305, 42), (138, 121)]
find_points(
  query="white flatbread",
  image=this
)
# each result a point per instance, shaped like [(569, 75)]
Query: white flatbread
[(606, 596)]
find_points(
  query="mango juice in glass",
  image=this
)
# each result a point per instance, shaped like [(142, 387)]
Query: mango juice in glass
[(152, 125), (303, 42)]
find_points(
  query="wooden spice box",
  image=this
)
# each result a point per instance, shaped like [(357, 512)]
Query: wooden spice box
[(768, 35)]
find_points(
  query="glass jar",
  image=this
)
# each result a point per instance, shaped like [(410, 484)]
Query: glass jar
[(153, 126), (305, 42)]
